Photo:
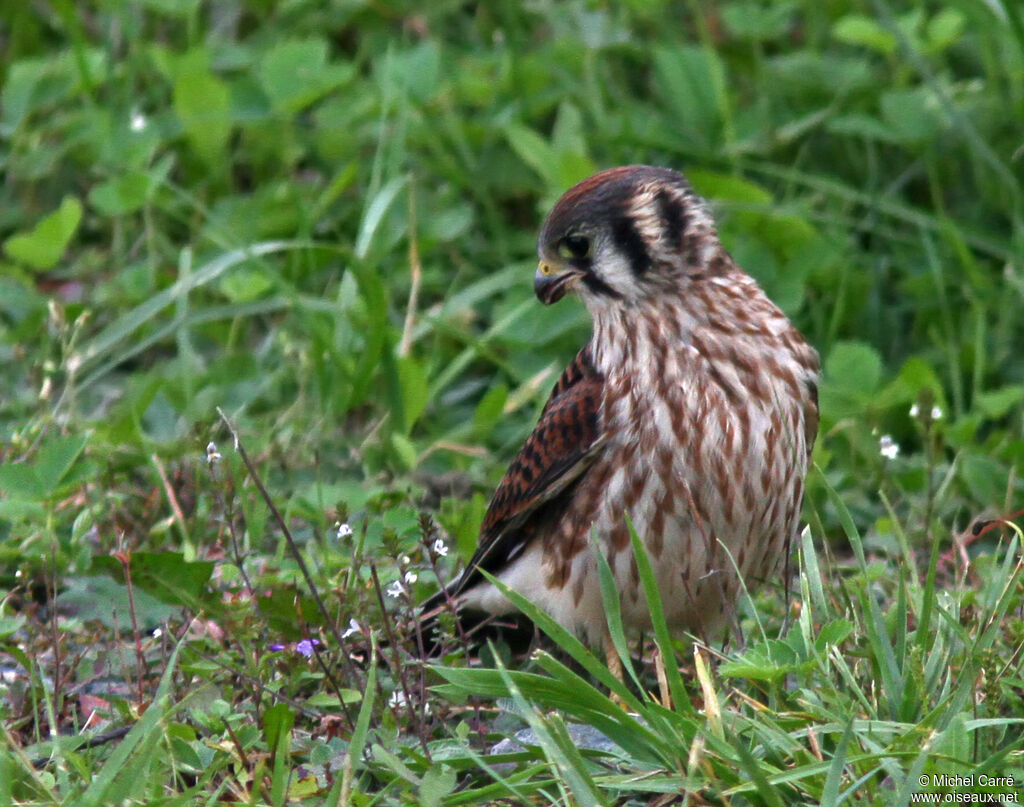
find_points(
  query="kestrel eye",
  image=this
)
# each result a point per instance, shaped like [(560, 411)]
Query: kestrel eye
[(574, 246)]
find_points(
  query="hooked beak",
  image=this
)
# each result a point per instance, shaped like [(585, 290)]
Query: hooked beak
[(551, 282)]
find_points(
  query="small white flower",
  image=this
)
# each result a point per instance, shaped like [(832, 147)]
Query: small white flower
[(410, 577), (935, 414), (353, 628), (888, 447), (397, 699), (138, 121), (344, 531), (406, 560), (212, 454), (157, 633), (396, 589), (440, 548)]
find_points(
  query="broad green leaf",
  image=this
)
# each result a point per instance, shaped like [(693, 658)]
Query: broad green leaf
[(985, 478), (686, 78), (413, 382), (126, 194), (755, 21), (490, 409), (203, 105), (535, 151), (56, 458), (19, 87), (404, 450), (296, 72), (854, 366), (728, 187), (44, 475), (913, 114), (437, 783), (855, 29), (944, 29), (10, 625), (19, 480), (414, 72), (833, 633), (245, 284), (105, 600), (997, 403), (43, 245), (165, 575)]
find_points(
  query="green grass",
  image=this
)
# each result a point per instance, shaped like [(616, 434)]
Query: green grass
[(320, 219)]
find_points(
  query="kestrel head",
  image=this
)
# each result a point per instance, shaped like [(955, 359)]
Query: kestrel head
[(624, 236)]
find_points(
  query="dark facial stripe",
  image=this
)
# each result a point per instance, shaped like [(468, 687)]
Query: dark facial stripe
[(674, 217), (631, 244), (598, 286)]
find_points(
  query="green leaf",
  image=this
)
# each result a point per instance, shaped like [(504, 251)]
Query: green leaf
[(295, 73), (855, 29), (715, 185), (102, 599), (833, 633), (412, 380), (985, 478), (126, 194), (414, 73), (20, 480), (375, 213), (437, 783), (10, 625), (767, 661), (662, 635), (56, 458), (490, 409), (404, 450), (42, 247), (277, 722), (852, 374), (998, 403), (202, 104), (854, 366), (757, 21), (165, 575), (944, 29), (686, 77), (44, 476), (913, 114), (535, 151), (245, 284), (19, 90)]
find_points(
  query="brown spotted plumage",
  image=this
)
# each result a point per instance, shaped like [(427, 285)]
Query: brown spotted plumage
[(693, 409)]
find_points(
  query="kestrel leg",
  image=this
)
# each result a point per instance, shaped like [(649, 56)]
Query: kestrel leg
[(614, 663), (659, 670)]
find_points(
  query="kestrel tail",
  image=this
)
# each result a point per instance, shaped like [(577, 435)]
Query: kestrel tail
[(693, 408)]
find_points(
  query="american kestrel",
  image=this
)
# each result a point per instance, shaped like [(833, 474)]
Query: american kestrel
[(693, 409)]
